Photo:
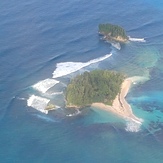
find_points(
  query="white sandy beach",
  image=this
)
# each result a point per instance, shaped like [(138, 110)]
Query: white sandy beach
[(120, 106)]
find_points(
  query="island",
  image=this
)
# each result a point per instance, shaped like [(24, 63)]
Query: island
[(95, 86), (113, 33), (50, 107), (102, 89)]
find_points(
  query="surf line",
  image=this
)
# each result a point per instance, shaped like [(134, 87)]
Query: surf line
[(65, 68), (136, 39)]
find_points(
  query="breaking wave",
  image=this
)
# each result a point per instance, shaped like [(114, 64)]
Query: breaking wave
[(21, 98), (116, 45), (38, 103), (44, 85), (66, 68), (137, 39), (57, 93), (74, 114), (133, 126)]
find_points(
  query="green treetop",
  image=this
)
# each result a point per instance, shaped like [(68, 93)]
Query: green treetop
[(112, 31), (96, 86)]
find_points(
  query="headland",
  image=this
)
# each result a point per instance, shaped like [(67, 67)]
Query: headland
[(113, 33), (102, 89), (120, 106)]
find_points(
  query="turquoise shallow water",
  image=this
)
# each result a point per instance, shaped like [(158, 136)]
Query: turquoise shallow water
[(38, 38)]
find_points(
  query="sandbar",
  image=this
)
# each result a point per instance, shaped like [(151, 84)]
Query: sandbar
[(120, 106)]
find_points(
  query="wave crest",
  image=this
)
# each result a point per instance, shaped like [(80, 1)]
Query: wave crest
[(74, 114), (44, 85), (66, 68), (38, 103), (137, 39), (133, 126)]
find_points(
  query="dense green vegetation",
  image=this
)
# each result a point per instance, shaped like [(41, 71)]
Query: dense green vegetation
[(114, 31), (96, 86)]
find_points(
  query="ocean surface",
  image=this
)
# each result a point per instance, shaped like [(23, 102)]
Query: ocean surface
[(43, 44)]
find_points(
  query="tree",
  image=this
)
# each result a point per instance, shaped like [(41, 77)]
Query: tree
[(96, 86), (112, 31)]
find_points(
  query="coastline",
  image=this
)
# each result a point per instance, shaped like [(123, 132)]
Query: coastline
[(120, 106), (116, 39)]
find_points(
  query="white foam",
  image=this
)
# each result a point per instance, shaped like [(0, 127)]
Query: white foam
[(38, 103), (66, 68), (74, 114), (139, 79), (56, 93), (137, 39), (133, 126), (20, 98), (116, 45), (44, 85)]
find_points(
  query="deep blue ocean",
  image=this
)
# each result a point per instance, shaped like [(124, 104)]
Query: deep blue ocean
[(43, 44)]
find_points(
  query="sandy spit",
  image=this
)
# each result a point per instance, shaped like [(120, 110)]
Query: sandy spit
[(120, 106)]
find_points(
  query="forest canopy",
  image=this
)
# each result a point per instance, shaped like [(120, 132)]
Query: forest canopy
[(114, 31), (95, 86)]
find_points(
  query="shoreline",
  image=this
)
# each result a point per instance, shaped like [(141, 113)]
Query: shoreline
[(119, 39), (120, 106)]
